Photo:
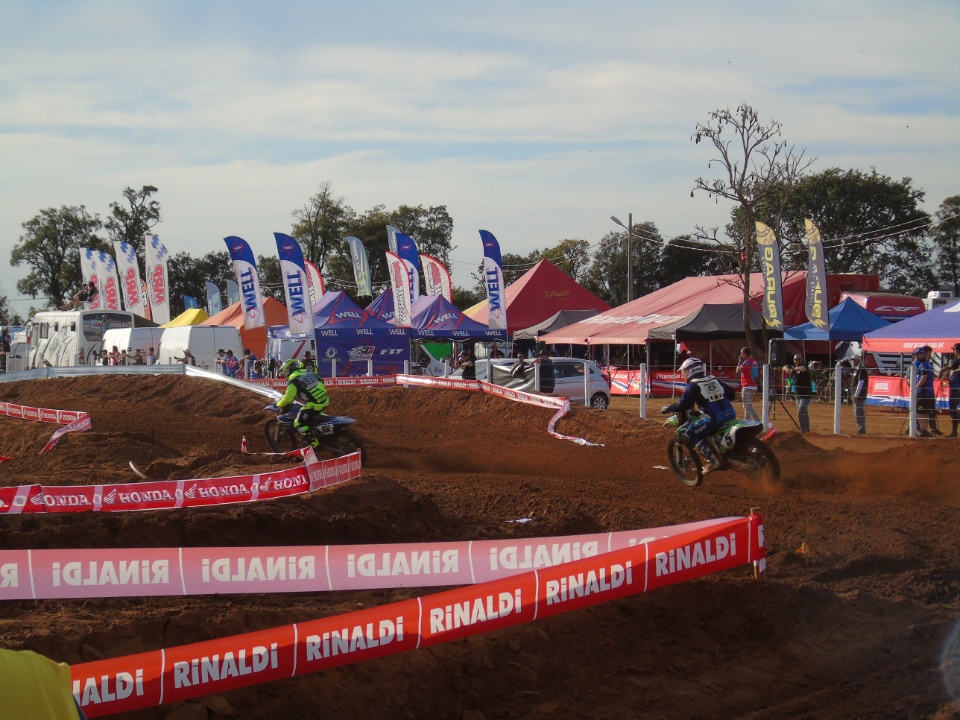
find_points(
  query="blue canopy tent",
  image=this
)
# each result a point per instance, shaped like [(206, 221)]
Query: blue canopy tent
[(382, 306), (848, 322), (435, 317), (346, 337)]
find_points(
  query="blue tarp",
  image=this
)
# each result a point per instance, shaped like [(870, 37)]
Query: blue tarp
[(939, 328), (435, 317), (848, 322)]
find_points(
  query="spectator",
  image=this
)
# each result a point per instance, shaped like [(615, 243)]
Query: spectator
[(308, 363), (115, 356), (547, 376), (256, 370), (219, 361), (496, 352), (858, 393), (35, 687), (5, 349), (125, 358), (104, 358), (519, 367), (802, 390), (151, 357), (272, 367), (926, 393), (951, 373), (187, 359), (88, 292), (248, 360), (468, 363), (138, 358), (748, 371), (232, 364)]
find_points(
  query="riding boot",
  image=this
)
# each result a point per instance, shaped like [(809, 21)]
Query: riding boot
[(710, 455)]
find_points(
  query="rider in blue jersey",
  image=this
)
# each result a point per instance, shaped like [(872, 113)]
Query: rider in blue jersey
[(713, 398)]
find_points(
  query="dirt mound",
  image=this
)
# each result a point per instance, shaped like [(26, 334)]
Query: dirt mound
[(863, 588)]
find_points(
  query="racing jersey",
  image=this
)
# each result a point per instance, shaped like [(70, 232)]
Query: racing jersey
[(709, 394), (308, 388)]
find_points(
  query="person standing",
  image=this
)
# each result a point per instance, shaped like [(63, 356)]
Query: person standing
[(748, 371), (151, 357), (220, 361), (548, 379), (468, 364), (231, 363), (802, 390), (859, 383), (951, 373), (926, 394)]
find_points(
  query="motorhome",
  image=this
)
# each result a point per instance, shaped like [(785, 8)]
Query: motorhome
[(62, 338)]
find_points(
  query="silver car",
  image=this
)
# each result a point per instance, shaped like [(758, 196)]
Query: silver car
[(569, 380)]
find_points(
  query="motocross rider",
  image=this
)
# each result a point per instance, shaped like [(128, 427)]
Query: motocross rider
[(713, 398), (306, 386)]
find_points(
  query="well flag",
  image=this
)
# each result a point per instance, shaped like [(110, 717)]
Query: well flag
[(315, 279), (130, 282), (296, 285), (361, 266), (248, 281), (816, 306), (407, 251), (158, 281), (399, 281), (214, 301), (436, 277), (493, 280), (769, 250)]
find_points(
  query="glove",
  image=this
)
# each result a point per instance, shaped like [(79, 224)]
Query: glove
[(665, 410)]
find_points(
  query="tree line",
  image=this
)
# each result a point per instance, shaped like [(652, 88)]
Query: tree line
[(870, 223)]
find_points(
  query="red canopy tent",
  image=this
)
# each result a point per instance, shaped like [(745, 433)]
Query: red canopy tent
[(630, 324), (256, 340), (540, 292)]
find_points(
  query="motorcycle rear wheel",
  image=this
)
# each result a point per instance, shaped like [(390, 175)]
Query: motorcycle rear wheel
[(282, 438), (766, 467), (685, 463), (344, 442)]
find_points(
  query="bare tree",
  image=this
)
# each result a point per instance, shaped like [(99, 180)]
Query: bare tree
[(752, 161)]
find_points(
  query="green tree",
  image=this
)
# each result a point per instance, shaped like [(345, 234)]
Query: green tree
[(271, 282), (50, 246), (683, 257), (7, 315), (189, 275), (870, 224), (431, 229), (946, 237), (321, 224), (607, 276), (571, 256), (751, 161), (130, 221)]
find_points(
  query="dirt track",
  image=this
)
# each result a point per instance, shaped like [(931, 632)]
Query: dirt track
[(863, 590)]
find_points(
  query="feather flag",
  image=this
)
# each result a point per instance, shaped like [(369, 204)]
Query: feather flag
[(91, 274), (361, 266), (769, 250), (392, 239), (436, 277), (407, 251), (248, 281), (233, 291), (315, 280), (214, 301), (130, 281), (493, 280), (296, 288), (158, 284), (400, 282), (110, 293), (816, 305)]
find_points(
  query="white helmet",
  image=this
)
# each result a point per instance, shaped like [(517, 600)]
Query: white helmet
[(693, 367)]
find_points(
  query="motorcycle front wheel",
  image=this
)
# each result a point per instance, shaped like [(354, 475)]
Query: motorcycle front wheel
[(685, 463), (764, 465), (282, 438)]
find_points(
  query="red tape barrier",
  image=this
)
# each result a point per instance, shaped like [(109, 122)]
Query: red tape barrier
[(174, 674), (154, 572), (72, 420)]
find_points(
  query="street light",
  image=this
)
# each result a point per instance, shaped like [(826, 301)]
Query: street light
[(629, 228)]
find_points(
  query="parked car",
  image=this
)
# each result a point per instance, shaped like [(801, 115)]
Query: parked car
[(568, 374)]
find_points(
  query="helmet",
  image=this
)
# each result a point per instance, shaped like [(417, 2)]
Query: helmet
[(919, 351), (693, 367), (288, 367)]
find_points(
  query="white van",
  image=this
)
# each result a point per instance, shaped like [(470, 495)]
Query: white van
[(203, 341), (133, 339)]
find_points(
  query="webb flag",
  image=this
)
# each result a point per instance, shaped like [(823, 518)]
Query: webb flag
[(130, 281), (158, 283), (296, 285)]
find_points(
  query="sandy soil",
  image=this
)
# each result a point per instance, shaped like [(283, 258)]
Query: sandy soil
[(862, 594)]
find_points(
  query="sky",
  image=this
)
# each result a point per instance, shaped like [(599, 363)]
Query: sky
[(534, 120)]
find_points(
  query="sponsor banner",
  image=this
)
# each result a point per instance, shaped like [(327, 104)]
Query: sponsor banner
[(408, 253), (661, 383), (110, 285), (315, 281), (248, 282), (91, 273), (296, 285), (436, 278), (168, 494), (816, 305), (493, 281), (81, 424), (130, 282), (73, 420), (894, 391), (361, 265), (157, 278), (214, 301), (175, 674), (769, 251), (400, 283)]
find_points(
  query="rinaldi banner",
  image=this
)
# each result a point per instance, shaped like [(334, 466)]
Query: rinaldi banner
[(175, 674)]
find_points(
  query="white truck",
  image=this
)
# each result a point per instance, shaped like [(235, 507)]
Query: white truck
[(203, 341), (61, 338)]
